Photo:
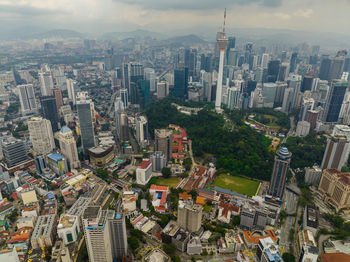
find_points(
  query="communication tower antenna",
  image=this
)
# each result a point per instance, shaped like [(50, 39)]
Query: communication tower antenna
[(224, 21)]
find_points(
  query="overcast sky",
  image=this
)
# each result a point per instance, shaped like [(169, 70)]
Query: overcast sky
[(165, 15)]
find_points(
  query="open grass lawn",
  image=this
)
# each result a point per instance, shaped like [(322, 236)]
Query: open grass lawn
[(171, 182), (237, 184)]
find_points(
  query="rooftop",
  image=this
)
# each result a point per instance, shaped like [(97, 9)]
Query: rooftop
[(145, 164)]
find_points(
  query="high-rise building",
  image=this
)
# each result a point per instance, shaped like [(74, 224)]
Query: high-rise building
[(68, 147), (71, 90), (335, 101), (144, 172), (163, 142), (221, 42), (41, 135), (162, 89), (293, 62), (124, 97), (336, 153), (269, 94), (142, 130), (136, 72), (13, 150), (27, 99), (49, 110), (307, 105), (337, 66), (150, 75), (273, 69), (46, 82), (265, 58), (335, 188), (85, 116), (190, 61), (307, 83), (105, 234), (158, 160), (189, 215), (325, 67), (180, 82), (57, 93), (279, 173), (232, 97), (311, 117), (123, 126), (283, 72), (231, 45)]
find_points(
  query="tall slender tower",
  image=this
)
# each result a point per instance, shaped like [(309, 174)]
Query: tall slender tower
[(222, 43)]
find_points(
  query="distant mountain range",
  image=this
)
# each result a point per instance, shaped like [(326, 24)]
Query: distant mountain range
[(260, 36), (132, 34)]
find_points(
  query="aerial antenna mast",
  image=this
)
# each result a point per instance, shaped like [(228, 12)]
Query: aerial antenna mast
[(224, 21)]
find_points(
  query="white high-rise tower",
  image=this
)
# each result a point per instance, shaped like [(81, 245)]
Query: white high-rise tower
[(222, 42)]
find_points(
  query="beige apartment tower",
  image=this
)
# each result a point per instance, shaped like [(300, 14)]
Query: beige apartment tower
[(163, 142), (41, 135), (68, 147), (189, 216)]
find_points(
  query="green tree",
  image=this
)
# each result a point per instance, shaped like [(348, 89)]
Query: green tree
[(133, 242), (187, 163), (166, 172), (169, 249), (288, 257)]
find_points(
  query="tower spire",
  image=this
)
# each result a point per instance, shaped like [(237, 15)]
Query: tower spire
[(223, 29)]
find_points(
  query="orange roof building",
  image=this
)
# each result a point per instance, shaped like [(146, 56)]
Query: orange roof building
[(335, 257), (200, 200)]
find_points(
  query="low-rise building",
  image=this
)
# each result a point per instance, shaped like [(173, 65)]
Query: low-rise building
[(129, 201), (310, 219), (57, 163), (253, 218), (226, 212), (156, 255), (43, 233), (158, 197), (268, 251), (194, 246), (28, 196), (101, 155), (25, 222), (307, 246), (68, 228), (336, 246)]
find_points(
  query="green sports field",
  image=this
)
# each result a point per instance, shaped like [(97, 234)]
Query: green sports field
[(237, 184), (171, 182)]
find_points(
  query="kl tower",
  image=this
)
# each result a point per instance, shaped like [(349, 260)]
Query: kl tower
[(222, 42)]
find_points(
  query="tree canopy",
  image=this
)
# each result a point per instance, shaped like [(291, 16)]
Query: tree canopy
[(239, 150)]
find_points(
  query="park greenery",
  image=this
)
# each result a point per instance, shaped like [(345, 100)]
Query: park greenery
[(307, 150), (238, 151), (341, 228)]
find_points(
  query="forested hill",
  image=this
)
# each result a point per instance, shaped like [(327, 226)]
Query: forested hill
[(240, 151)]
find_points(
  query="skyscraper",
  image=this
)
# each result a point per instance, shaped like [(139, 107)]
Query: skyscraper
[(293, 62), (124, 97), (273, 69), (49, 110), (163, 142), (57, 93), (46, 82), (41, 136), (105, 234), (142, 131), (337, 66), (84, 105), (27, 99), (68, 147), (335, 101), (123, 126), (71, 90), (222, 43), (181, 82), (269, 94), (307, 83), (279, 173), (336, 153), (231, 45), (325, 67), (190, 60)]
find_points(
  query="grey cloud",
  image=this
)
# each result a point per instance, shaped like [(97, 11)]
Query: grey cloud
[(27, 11), (197, 4)]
